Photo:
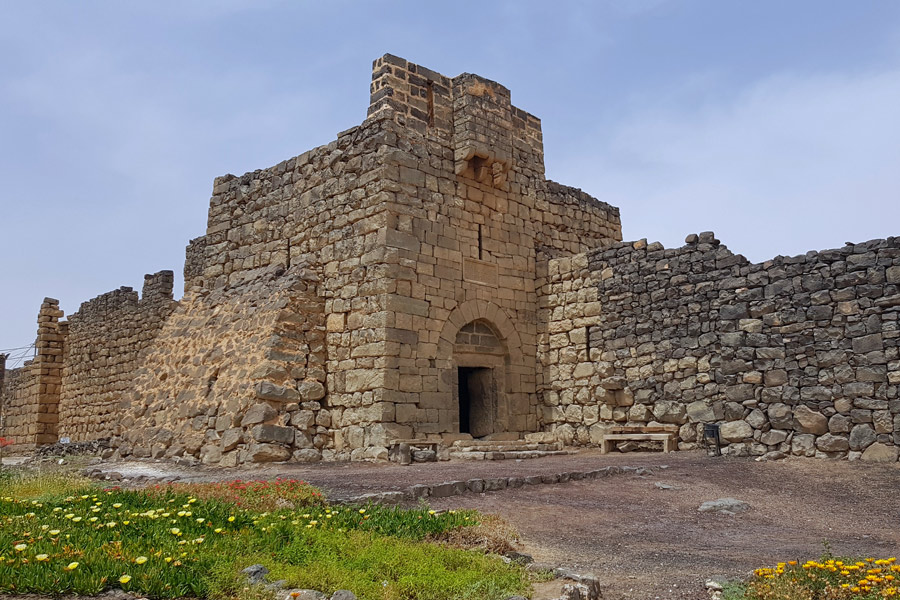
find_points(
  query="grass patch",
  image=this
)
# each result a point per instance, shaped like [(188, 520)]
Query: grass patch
[(252, 495), (187, 540), (19, 483)]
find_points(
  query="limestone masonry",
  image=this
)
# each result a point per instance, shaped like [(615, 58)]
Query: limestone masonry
[(419, 277)]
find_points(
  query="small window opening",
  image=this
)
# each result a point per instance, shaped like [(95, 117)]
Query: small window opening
[(429, 87), (480, 248)]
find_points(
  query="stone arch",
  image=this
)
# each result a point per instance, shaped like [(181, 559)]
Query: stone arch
[(478, 310), (505, 368)]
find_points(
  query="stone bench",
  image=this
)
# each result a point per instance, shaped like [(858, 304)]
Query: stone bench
[(420, 444), (667, 434), (401, 451)]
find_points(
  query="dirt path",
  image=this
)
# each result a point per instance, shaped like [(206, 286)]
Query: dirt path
[(647, 542)]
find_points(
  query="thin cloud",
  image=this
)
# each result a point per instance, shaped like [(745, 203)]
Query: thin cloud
[(789, 164)]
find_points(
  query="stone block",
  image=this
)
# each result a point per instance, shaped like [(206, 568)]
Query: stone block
[(266, 390), (735, 431), (881, 453), (268, 453), (258, 413), (273, 433), (807, 420)]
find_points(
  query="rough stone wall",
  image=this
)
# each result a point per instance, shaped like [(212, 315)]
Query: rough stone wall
[(235, 375), (31, 393), (19, 409), (799, 355), (569, 221), (104, 342), (468, 196)]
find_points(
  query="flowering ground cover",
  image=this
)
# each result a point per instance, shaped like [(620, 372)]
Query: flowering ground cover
[(827, 579), (180, 541)]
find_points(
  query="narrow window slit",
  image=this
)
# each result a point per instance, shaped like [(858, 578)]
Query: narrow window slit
[(480, 249), (430, 98)]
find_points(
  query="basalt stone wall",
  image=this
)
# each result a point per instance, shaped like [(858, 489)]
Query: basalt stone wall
[(235, 375), (103, 345), (797, 354)]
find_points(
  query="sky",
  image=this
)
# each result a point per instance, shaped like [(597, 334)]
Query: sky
[(775, 124)]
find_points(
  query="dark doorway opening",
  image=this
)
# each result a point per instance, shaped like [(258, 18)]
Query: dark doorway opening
[(476, 395)]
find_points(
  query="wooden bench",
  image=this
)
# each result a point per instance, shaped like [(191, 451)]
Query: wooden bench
[(667, 434)]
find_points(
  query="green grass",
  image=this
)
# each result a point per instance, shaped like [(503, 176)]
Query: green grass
[(168, 543)]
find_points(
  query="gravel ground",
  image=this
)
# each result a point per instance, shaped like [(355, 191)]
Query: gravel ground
[(642, 535)]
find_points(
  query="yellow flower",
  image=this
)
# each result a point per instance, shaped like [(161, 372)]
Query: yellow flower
[(362, 511), (140, 560), (41, 558), (168, 559), (20, 547), (199, 520), (124, 579), (175, 531), (71, 566), (119, 505), (54, 532), (76, 519), (218, 530), (231, 519)]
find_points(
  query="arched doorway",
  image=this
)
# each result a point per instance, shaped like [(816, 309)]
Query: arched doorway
[(480, 347), (481, 358)]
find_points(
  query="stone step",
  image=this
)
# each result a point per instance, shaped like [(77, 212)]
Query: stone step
[(493, 446), (510, 455), (507, 448)]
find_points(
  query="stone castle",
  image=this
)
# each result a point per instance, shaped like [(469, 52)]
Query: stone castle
[(419, 277)]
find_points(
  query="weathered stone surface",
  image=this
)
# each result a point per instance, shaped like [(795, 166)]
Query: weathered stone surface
[(781, 416), (735, 431), (832, 443), (724, 505), (273, 433), (267, 453), (311, 390), (773, 437), (669, 412), (258, 413), (700, 412), (807, 420), (803, 444), (266, 390), (862, 436), (878, 452)]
